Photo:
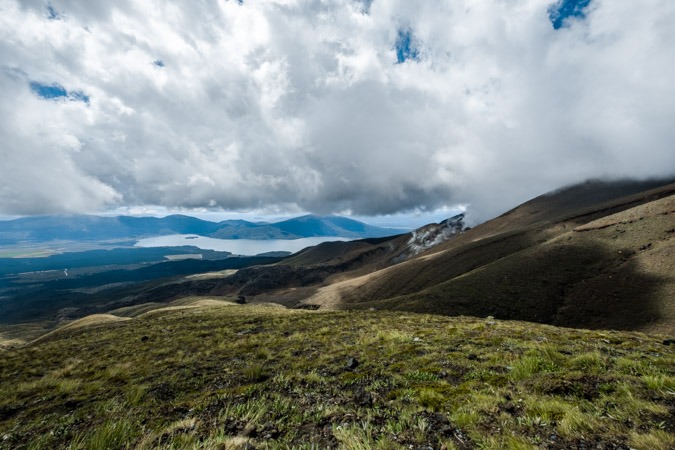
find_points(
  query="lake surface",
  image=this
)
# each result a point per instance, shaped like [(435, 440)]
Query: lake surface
[(246, 247)]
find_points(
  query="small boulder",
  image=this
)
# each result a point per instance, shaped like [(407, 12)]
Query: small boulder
[(269, 431), (363, 397), (352, 363)]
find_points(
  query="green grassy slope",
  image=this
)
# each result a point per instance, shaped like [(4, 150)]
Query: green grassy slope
[(260, 377)]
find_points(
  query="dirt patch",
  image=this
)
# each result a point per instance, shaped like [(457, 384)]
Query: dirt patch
[(587, 387)]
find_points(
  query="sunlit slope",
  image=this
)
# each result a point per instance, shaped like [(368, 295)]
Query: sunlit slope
[(211, 376), (562, 270)]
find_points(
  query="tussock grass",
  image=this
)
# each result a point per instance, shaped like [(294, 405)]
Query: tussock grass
[(660, 383), (656, 440), (213, 377)]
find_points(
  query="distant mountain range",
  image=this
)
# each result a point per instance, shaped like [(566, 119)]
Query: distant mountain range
[(96, 228)]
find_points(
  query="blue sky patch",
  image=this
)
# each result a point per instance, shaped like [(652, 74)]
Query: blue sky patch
[(55, 92), (79, 96), (48, 91), (158, 63), (51, 13), (366, 5), (405, 48), (562, 9)]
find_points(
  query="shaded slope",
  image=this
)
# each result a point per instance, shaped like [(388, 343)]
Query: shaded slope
[(593, 197), (529, 264), (359, 252), (591, 281)]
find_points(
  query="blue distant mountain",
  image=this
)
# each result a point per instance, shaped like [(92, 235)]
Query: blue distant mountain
[(311, 225), (96, 228)]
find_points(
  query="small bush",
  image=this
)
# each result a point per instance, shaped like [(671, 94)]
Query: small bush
[(588, 362), (655, 440), (115, 433), (256, 373), (659, 383), (428, 398)]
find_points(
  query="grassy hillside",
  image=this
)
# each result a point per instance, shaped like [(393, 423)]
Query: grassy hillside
[(553, 260), (215, 376), (598, 255)]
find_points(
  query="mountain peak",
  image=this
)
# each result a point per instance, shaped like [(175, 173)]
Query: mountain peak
[(314, 225), (436, 233)]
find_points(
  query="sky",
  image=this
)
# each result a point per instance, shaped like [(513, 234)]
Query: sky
[(369, 108)]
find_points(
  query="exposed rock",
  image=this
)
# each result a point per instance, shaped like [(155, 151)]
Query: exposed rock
[(352, 363), (363, 397), (269, 431), (308, 306), (434, 234)]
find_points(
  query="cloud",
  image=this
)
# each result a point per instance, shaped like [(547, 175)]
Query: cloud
[(373, 107)]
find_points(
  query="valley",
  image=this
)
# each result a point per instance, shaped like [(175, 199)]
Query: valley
[(57, 269)]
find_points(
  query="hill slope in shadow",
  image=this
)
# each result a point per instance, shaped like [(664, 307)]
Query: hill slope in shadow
[(597, 255)]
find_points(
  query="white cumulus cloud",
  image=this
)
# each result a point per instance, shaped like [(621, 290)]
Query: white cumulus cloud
[(303, 104)]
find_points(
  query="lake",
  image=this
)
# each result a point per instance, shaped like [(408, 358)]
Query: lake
[(245, 247)]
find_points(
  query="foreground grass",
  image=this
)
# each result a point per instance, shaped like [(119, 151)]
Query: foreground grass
[(253, 377)]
